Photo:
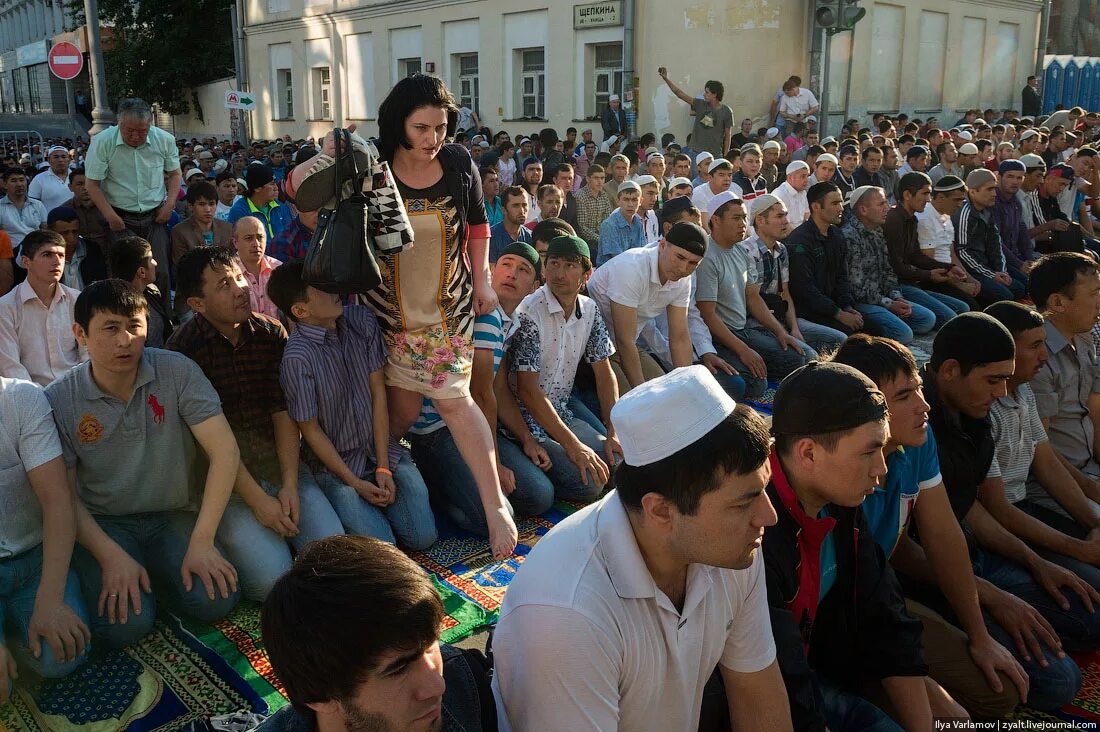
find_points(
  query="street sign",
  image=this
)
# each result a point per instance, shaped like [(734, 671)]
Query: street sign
[(66, 60), (239, 100)]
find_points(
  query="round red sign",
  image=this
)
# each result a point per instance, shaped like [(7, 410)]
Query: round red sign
[(66, 60)]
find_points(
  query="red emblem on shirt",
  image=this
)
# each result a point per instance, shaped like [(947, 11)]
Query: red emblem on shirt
[(158, 410), (89, 430)]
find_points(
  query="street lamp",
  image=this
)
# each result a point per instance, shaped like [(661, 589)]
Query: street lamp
[(102, 116)]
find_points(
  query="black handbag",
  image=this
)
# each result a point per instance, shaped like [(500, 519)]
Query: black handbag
[(339, 259)]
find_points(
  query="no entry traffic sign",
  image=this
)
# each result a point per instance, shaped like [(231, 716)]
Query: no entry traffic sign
[(66, 60)]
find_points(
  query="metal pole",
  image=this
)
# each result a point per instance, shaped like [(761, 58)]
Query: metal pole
[(824, 128), (102, 116), (234, 19), (848, 81), (1044, 32), (628, 59)]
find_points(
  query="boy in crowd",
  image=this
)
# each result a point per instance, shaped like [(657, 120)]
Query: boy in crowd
[(623, 230), (36, 318), (630, 604), (84, 262), (239, 350), (640, 285), (128, 419), (556, 327), (132, 260), (522, 462), (979, 243), (726, 297), (41, 607), (819, 268), (1066, 289), (1023, 449), (838, 616), (593, 206), (972, 361), (331, 373), (202, 228), (513, 200), (973, 667)]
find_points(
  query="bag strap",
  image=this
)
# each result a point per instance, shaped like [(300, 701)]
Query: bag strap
[(338, 181)]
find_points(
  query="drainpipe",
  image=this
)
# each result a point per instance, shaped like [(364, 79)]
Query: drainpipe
[(628, 57), (1044, 32)]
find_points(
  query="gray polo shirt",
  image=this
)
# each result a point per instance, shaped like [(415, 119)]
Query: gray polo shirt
[(1016, 432), (722, 278), (137, 456), (28, 439), (1062, 388)]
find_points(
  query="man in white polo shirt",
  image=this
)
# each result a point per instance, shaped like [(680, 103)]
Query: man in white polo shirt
[(792, 192), (639, 285), (619, 616)]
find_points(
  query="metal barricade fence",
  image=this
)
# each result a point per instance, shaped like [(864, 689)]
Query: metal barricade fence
[(15, 142)]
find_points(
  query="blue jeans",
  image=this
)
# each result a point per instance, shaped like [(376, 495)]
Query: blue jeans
[(993, 291), (848, 712), (1056, 685), (943, 306), (157, 541), (407, 521), (880, 321), (19, 579), (452, 484), (567, 480), (585, 404), (821, 338), (260, 555), (779, 362)]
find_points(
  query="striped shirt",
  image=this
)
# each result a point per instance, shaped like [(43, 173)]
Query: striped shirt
[(489, 335), (1017, 429), (326, 376)]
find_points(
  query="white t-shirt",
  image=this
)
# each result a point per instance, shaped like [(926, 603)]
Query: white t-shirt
[(798, 207), (50, 190), (506, 172), (935, 231), (631, 279), (701, 195), (586, 640)]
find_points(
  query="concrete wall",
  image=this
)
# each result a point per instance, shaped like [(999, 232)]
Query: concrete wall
[(215, 122)]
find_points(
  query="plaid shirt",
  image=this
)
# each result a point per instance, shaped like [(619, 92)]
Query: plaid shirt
[(246, 378), (591, 211), (291, 242)]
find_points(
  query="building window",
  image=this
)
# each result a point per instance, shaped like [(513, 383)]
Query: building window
[(533, 83), (322, 93), (608, 71), (469, 93), (406, 67), (285, 82)]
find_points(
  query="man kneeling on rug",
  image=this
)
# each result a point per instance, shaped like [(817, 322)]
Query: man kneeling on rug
[(627, 608), (352, 631)]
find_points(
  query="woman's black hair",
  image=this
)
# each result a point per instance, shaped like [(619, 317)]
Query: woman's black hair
[(407, 96)]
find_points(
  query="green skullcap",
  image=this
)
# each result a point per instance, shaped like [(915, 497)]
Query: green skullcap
[(568, 246), (523, 250)]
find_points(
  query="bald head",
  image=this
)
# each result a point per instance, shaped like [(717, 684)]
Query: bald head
[(250, 238)]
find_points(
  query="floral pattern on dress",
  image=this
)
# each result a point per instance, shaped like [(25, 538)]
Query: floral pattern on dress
[(435, 354)]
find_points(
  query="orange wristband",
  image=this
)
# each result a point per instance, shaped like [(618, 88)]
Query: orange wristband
[(384, 471)]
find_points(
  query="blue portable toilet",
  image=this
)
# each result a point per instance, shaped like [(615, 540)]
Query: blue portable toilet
[(1052, 84), (1084, 90), (1070, 82)]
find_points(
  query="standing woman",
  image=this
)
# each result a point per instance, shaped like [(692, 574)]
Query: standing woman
[(431, 293)]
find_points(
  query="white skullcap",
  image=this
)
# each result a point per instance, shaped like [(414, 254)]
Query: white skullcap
[(691, 404), (797, 165)]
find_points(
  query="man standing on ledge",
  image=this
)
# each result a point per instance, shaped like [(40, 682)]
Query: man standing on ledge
[(132, 174), (713, 129)]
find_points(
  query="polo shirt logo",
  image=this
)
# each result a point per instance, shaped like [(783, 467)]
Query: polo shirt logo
[(158, 410), (90, 429)]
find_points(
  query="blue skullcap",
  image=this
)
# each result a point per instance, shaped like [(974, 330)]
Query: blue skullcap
[(1011, 166)]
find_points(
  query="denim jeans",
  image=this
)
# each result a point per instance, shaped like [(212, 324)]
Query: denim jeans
[(877, 320), (452, 484), (585, 405), (944, 307), (1088, 572), (260, 555), (407, 521), (157, 541), (567, 480), (845, 711), (993, 291), (821, 338), (19, 579), (1056, 685), (779, 362)]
